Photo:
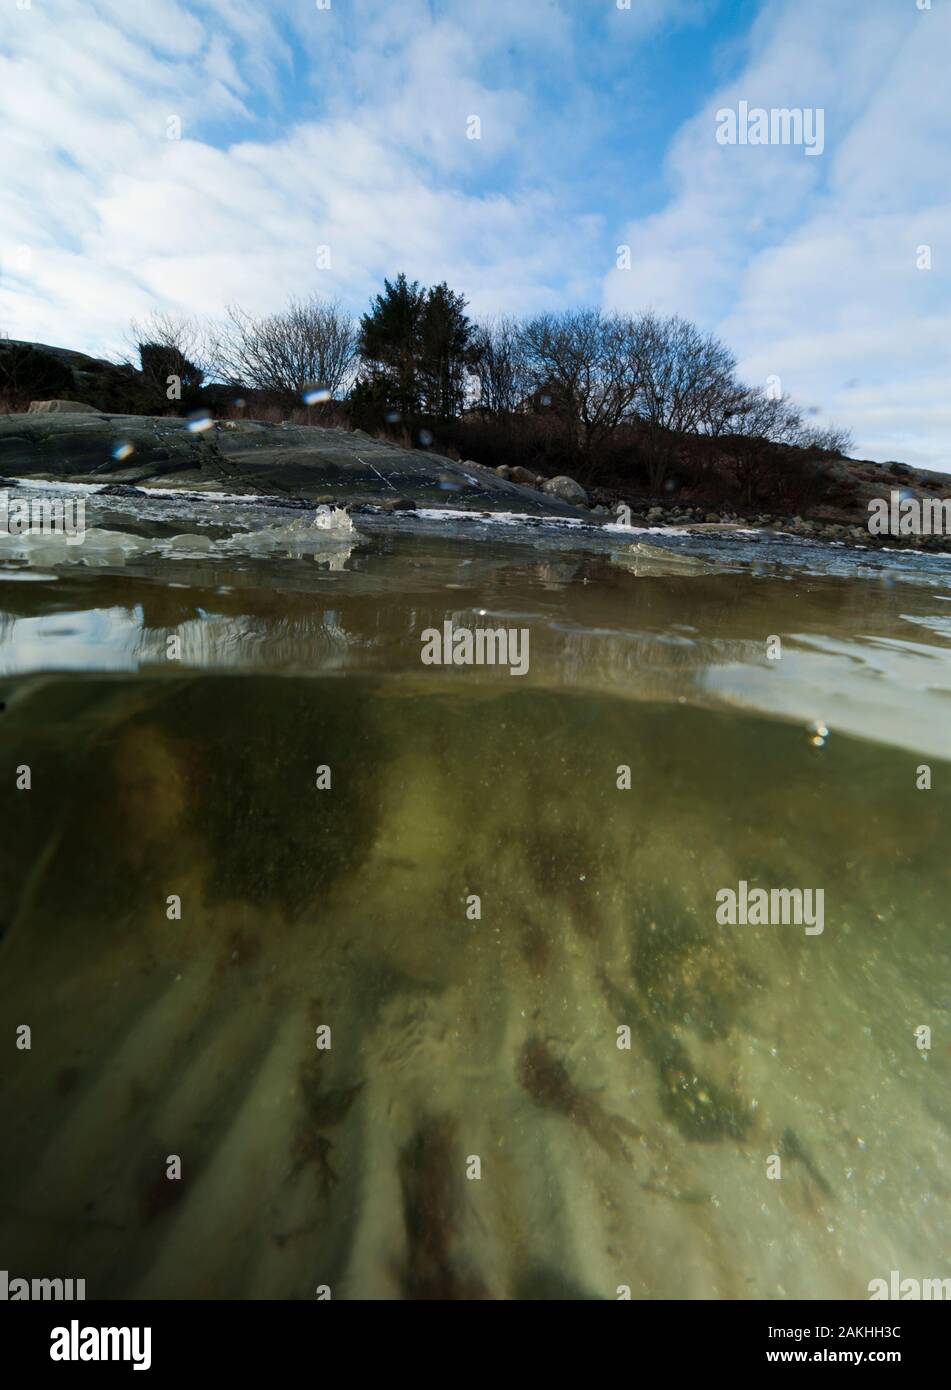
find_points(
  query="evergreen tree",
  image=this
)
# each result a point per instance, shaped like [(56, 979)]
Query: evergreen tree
[(416, 346)]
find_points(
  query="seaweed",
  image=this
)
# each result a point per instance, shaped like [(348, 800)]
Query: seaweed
[(546, 1080), (431, 1213)]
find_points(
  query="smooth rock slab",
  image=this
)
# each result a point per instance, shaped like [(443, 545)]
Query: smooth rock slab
[(240, 456)]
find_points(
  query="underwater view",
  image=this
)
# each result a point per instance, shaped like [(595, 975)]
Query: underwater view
[(475, 681), (349, 975)]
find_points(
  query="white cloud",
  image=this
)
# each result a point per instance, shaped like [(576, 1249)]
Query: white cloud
[(346, 128), (118, 217), (807, 266)]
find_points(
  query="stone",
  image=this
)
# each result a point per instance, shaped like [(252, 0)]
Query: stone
[(297, 463), (61, 408), (518, 474), (567, 489)]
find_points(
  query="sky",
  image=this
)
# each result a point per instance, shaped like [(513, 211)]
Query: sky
[(186, 155)]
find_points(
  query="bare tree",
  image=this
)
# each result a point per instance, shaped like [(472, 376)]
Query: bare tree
[(686, 384), (177, 331), (761, 420), (830, 439), (686, 378), (581, 360), (173, 351), (309, 346), (758, 421), (500, 366)]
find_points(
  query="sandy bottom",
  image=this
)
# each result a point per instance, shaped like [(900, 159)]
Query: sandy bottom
[(473, 1129)]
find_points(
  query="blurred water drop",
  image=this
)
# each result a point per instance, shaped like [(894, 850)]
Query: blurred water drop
[(199, 422), (316, 395)]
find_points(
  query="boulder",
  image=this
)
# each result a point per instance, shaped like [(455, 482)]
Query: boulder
[(522, 475), (567, 489), (61, 407)]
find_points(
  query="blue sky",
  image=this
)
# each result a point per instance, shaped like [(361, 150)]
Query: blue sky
[(345, 128)]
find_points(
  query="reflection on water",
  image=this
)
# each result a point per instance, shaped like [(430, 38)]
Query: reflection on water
[(869, 655), (454, 874)]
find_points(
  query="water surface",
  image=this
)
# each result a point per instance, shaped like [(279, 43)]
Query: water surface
[(463, 1031)]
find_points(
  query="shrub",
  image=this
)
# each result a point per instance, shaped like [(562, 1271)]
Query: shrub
[(27, 373)]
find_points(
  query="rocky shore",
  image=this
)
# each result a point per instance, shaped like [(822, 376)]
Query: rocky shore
[(310, 464), (609, 504), (302, 462)]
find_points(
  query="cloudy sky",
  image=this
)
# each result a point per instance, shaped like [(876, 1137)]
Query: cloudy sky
[(188, 154)]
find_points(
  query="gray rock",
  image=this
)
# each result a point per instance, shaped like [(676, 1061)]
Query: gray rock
[(521, 475), (121, 490), (299, 463), (61, 408), (567, 489)]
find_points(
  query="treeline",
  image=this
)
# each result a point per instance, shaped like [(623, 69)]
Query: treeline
[(639, 400)]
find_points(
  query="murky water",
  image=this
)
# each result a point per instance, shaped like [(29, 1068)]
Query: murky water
[(551, 1071)]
